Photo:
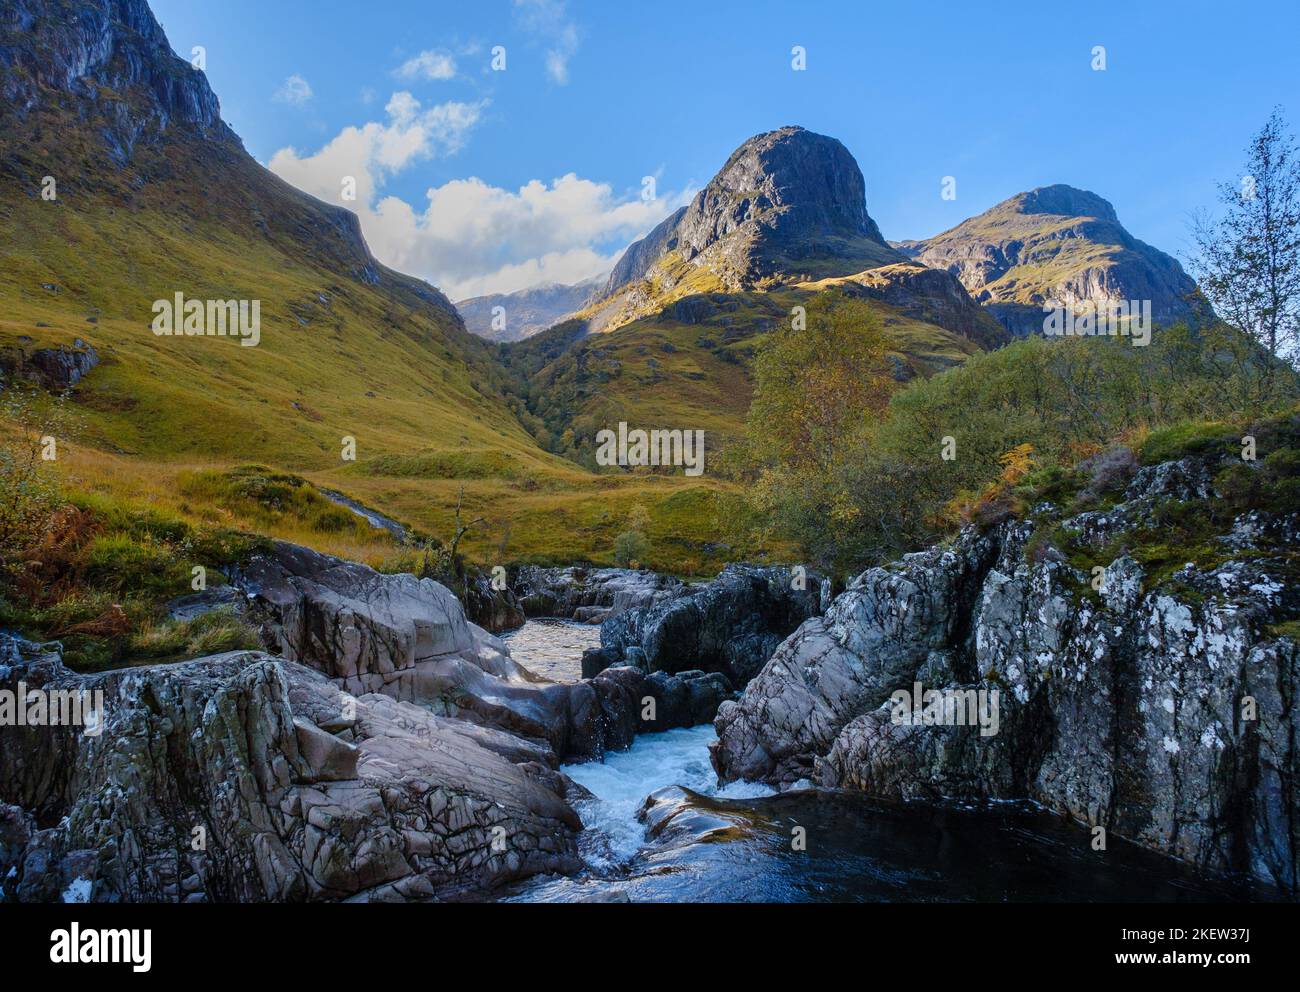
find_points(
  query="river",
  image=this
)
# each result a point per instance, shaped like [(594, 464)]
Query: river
[(743, 843)]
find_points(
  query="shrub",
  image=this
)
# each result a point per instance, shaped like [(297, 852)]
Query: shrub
[(1193, 438), (630, 549), (1107, 472), (29, 492)]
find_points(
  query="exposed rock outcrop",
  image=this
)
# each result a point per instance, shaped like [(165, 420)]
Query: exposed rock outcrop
[(494, 609), (590, 594), (245, 777), (1162, 709), (730, 625), (1061, 245), (54, 369), (409, 639)]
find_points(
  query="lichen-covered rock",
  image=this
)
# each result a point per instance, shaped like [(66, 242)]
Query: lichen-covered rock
[(244, 777), (1161, 708)]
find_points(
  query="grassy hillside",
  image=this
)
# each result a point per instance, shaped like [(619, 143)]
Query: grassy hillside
[(348, 349), (688, 366)]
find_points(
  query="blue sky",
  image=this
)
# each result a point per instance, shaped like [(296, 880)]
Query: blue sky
[(462, 170)]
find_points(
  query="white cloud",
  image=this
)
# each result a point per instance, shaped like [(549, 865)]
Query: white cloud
[(549, 21), (295, 91), (374, 151), (471, 238), (428, 65), (468, 237)]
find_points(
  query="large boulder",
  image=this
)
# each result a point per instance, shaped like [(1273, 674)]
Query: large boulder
[(730, 625), (409, 639), (370, 630), (245, 777), (590, 594)]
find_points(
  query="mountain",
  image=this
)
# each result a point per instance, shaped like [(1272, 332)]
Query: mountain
[(1055, 243), (154, 196), (527, 311), (785, 201), (673, 335), (787, 206)]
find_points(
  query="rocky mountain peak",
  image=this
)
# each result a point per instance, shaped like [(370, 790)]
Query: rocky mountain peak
[(796, 183), (782, 200), (1059, 244), (1066, 201)]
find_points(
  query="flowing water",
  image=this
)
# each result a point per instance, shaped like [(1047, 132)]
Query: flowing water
[(551, 647), (744, 843)]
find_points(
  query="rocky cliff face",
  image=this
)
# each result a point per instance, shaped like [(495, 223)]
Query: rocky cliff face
[(1060, 244), (1160, 708), (112, 56)]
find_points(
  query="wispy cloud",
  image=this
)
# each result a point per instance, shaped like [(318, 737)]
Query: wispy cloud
[(428, 65), (549, 22), (294, 91)]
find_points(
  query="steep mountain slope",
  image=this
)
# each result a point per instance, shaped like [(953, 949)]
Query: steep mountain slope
[(155, 196), (528, 311), (1055, 243)]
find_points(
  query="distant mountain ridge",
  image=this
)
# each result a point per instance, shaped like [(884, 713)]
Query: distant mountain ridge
[(526, 312), (1056, 244)]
